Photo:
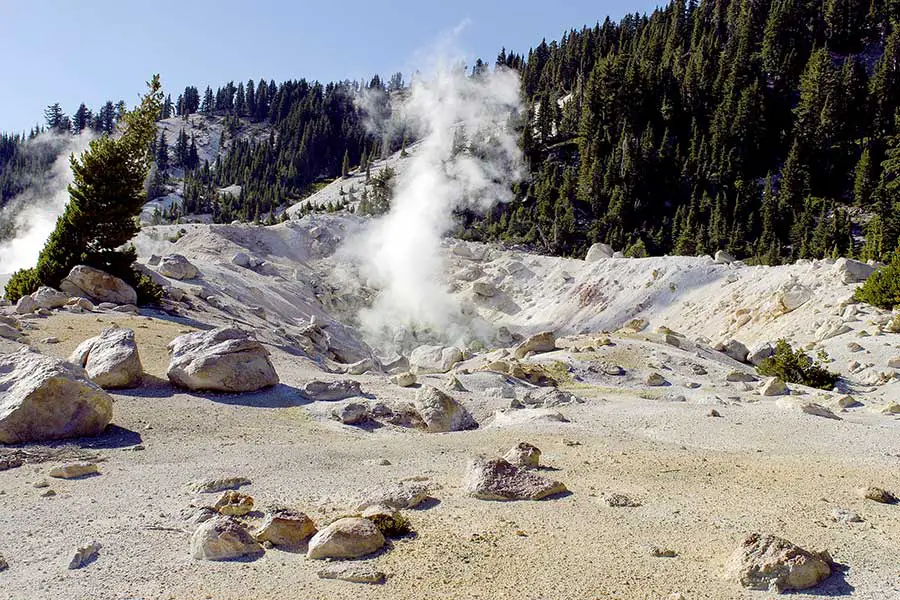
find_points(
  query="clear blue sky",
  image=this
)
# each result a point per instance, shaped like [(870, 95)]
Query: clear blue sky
[(69, 51)]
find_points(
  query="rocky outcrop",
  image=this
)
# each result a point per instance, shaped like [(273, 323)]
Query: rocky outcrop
[(221, 360), (440, 412), (97, 286), (767, 562), (434, 359), (498, 479), (44, 398), (351, 537), (177, 266), (111, 359), (222, 538)]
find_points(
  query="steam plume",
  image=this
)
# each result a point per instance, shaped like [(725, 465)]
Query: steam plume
[(34, 212), (466, 157)]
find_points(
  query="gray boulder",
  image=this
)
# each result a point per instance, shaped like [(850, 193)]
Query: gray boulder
[(440, 412), (47, 297), (177, 266), (498, 479), (111, 359), (98, 286), (44, 398), (221, 360), (350, 537)]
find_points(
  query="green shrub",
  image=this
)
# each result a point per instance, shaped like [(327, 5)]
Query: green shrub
[(22, 283), (148, 291), (796, 367), (882, 288)]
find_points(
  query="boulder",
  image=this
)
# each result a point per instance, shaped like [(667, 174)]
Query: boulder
[(498, 479), (111, 359), (10, 333), (807, 407), (525, 455), (85, 555), (176, 266), (44, 398), (350, 537), (97, 286), (852, 271), (329, 391), (440, 412), (542, 342), (773, 386), (767, 562), (241, 259), (894, 363), (26, 305), (82, 303), (222, 538), (735, 350), (740, 377), (794, 297), (434, 359), (597, 252), (723, 258), (760, 352), (285, 527), (654, 379), (221, 360), (47, 297)]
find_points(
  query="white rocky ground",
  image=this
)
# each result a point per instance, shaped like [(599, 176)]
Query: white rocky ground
[(702, 482)]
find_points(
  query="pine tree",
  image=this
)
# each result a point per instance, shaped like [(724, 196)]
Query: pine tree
[(106, 194), (162, 153), (345, 166)]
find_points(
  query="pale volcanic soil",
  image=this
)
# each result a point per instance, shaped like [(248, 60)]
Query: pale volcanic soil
[(703, 482)]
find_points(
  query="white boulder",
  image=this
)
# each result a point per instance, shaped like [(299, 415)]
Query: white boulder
[(221, 360), (111, 359), (98, 286), (177, 266), (598, 252), (434, 359)]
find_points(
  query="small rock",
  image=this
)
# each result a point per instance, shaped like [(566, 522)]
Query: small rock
[(397, 496), (50, 340), (854, 347), (713, 413), (622, 501), (362, 366), (285, 527), (894, 363), (406, 379), (328, 391), (654, 379), (658, 552), (3, 564), (234, 504), (48, 493), (498, 479), (877, 494), (891, 409), (842, 515), (212, 485), (810, 408), (85, 555), (389, 521), (525, 455), (74, 470), (350, 537), (847, 402), (40, 484), (766, 562), (740, 377), (222, 538), (352, 572), (352, 413), (536, 344)]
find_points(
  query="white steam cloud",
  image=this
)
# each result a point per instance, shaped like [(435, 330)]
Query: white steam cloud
[(466, 156), (34, 212)]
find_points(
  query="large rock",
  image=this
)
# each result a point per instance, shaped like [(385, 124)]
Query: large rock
[(285, 527), (794, 297), (350, 537), (47, 297), (434, 359), (498, 479), (177, 267), (222, 538), (221, 360), (110, 359), (541, 342), (98, 286), (26, 305), (852, 271), (760, 352), (767, 562), (735, 350), (44, 398), (723, 258), (598, 252), (440, 412)]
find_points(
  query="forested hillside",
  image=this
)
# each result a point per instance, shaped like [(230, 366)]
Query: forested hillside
[(769, 128)]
